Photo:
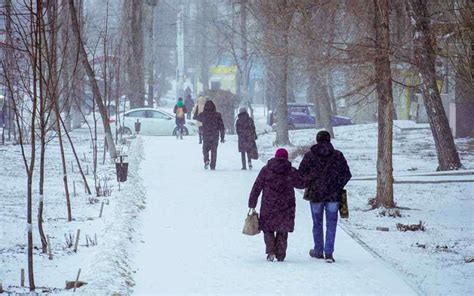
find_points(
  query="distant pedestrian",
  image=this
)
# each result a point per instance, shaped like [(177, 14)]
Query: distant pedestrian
[(277, 180), (212, 128), (245, 128), (326, 173), (198, 109), (180, 111), (189, 103)]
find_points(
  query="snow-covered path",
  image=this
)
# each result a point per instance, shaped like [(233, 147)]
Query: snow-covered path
[(192, 241)]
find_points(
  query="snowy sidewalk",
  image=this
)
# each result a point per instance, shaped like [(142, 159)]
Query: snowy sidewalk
[(192, 241)]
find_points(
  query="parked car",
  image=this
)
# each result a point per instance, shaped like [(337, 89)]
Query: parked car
[(154, 122), (302, 115)]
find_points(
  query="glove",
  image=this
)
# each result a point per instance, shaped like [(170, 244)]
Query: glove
[(222, 141)]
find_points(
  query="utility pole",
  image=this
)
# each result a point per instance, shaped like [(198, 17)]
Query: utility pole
[(180, 51)]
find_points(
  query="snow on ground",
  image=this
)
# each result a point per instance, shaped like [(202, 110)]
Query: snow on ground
[(103, 266), (432, 260), (192, 241)]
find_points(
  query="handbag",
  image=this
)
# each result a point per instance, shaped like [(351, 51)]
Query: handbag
[(253, 151), (251, 225), (343, 206)]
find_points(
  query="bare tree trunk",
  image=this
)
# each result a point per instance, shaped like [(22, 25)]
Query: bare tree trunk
[(135, 56), (425, 57), (55, 100), (8, 69), (81, 171), (385, 106), (151, 50), (204, 54), (244, 53), (95, 86), (322, 96)]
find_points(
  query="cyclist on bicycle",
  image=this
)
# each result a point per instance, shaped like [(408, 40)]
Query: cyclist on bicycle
[(180, 111)]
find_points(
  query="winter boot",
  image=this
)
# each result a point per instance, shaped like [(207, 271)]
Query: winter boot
[(313, 254), (271, 257), (329, 259), (250, 165), (206, 165)]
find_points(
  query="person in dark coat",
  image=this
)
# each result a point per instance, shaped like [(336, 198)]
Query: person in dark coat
[(180, 111), (212, 128), (277, 180), (326, 173), (189, 103), (245, 129)]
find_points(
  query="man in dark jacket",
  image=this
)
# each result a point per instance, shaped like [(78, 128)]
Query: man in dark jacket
[(189, 103), (277, 180), (212, 128), (245, 129), (326, 173)]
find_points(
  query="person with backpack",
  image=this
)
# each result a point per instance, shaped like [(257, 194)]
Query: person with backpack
[(277, 180), (189, 103), (198, 109), (212, 128), (326, 172), (245, 128), (180, 111)]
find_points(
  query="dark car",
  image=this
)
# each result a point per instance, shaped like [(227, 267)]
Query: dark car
[(302, 115)]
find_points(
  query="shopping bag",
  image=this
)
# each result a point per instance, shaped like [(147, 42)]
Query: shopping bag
[(251, 226), (343, 206)]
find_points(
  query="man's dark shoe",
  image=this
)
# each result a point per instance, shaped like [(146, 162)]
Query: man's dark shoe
[(329, 259), (271, 257), (206, 165), (313, 254)]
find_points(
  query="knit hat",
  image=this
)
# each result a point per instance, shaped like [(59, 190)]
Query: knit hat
[(242, 110), (323, 137), (281, 153)]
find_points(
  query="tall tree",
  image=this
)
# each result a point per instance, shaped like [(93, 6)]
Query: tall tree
[(151, 49), (134, 28), (425, 60), (383, 76), (95, 87), (277, 17)]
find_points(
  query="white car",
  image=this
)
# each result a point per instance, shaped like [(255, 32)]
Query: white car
[(154, 122)]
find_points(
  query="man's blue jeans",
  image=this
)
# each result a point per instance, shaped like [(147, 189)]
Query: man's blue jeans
[(331, 209)]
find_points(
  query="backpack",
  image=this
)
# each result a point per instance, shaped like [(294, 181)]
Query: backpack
[(180, 112)]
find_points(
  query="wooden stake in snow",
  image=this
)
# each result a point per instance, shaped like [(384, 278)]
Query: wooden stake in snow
[(22, 277), (77, 279), (77, 240), (50, 252), (101, 209)]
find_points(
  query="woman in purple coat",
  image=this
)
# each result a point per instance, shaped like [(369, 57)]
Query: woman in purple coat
[(277, 180)]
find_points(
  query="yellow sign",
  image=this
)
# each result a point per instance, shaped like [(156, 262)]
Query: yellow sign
[(225, 70)]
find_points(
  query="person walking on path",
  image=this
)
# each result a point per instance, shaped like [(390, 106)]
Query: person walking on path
[(212, 128), (277, 179), (189, 103), (198, 109), (326, 172), (180, 111), (245, 128)]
